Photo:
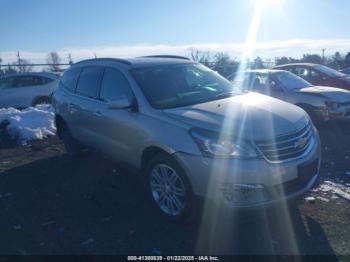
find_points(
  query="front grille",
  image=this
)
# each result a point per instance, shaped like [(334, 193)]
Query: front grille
[(287, 146)]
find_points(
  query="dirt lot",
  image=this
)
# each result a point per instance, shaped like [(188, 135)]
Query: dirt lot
[(52, 205)]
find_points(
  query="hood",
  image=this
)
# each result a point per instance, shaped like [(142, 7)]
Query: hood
[(250, 116), (331, 93)]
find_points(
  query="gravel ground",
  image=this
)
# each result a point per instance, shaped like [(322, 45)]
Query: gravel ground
[(51, 204)]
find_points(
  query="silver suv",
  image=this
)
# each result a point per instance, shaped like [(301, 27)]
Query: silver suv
[(188, 132)]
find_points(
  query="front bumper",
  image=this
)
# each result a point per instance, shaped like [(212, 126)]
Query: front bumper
[(239, 183)]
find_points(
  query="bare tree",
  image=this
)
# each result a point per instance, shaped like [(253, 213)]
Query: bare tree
[(53, 59), (258, 63), (224, 65), (10, 69), (200, 56), (23, 65)]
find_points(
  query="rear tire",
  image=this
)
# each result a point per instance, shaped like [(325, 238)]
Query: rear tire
[(73, 147), (169, 190)]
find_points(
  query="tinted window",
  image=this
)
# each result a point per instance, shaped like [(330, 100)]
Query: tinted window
[(70, 78), (114, 85), (89, 81), (46, 80), (6, 82), (300, 71), (27, 81)]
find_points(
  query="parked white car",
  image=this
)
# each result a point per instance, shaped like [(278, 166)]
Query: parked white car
[(22, 90)]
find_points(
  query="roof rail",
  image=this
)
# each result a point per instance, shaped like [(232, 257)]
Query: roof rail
[(166, 56), (123, 61)]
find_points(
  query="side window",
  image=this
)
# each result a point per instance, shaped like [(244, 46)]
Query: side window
[(314, 75), (114, 85), (264, 84), (70, 78), (45, 80), (302, 72), (259, 83), (7, 82), (27, 81), (89, 81)]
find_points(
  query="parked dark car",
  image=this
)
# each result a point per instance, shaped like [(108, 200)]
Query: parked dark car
[(318, 75)]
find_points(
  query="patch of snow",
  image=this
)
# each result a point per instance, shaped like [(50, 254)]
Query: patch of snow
[(310, 199), (30, 123), (340, 190), (323, 199)]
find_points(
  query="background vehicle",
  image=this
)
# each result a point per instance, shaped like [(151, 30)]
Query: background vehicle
[(22, 90), (167, 118), (318, 75), (322, 103)]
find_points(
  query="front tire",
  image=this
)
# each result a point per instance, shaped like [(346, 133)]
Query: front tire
[(169, 189)]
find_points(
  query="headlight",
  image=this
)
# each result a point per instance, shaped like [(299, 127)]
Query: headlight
[(214, 146), (333, 105)]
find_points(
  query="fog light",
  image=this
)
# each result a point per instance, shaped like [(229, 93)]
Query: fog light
[(244, 194)]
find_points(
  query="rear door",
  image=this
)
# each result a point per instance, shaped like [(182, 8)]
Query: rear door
[(85, 104)]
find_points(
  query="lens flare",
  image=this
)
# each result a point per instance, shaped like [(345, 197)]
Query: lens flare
[(219, 228)]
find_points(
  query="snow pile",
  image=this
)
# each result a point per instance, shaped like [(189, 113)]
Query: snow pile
[(340, 190), (30, 123)]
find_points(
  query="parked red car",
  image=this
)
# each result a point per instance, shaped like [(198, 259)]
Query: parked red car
[(318, 75)]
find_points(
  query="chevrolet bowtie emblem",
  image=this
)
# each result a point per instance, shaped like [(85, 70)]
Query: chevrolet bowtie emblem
[(300, 143)]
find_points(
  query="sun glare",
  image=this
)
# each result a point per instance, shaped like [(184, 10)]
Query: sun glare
[(216, 229)]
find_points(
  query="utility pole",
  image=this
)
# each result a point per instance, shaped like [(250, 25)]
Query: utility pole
[(18, 58), (323, 58), (70, 61)]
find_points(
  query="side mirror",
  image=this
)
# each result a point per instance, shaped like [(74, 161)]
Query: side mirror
[(120, 103)]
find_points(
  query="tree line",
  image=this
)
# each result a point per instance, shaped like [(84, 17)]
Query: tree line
[(53, 61), (221, 62)]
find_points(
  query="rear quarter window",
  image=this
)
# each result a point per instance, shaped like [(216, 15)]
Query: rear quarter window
[(89, 81)]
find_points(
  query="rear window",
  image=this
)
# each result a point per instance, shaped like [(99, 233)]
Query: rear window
[(89, 81), (70, 78)]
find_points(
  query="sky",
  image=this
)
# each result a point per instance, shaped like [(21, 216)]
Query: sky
[(119, 28)]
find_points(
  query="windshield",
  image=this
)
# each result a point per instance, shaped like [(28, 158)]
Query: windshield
[(290, 81), (181, 85), (329, 71)]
